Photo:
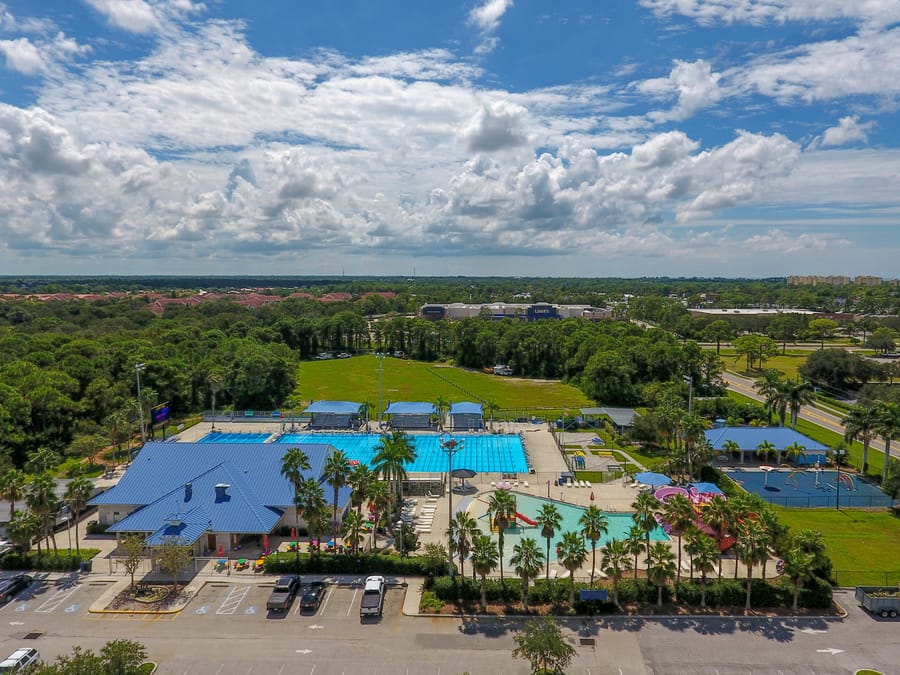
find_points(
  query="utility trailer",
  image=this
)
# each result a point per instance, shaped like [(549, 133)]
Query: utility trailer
[(881, 600)]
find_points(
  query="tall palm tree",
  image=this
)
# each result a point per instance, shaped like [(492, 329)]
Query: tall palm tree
[(717, 514), (463, 530), (679, 513), (502, 509), (766, 449), (859, 425), (441, 406), (888, 427), (794, 452), (392, 455), (634, 542), (42, 500), (78, 493), (797, 394), (572, 554), (527, 560), (317, 519), (705, 558), (293, 463), (336, 472), (359, 480), (749, 545), (616, 562), (117, 424), (380, 499), (13, 487), (549, 520), (798, 567), (660, 568), (22, 529), (484, 561), (731, 446), (214, 382), (491, 407), (771, 386), (308, 500), (352, 529), (646, 506), (773, 530), (594, 526)]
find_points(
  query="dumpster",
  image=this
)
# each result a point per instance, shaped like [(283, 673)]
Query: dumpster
[(881, 600), (85, 566)]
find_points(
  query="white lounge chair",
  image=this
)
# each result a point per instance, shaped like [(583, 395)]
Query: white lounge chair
[(493, 483), (525, 484), (588, 483)]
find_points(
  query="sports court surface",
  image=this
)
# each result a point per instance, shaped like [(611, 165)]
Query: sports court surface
[(484, 453), (810, 488)]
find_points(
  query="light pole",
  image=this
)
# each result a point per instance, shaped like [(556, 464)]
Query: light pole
[(450, 446), (137, 372), (380, 356), (690, 382)]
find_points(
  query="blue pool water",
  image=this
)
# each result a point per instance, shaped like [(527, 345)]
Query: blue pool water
[(619, 524), (801, 489), (484, 453), (223, 437)]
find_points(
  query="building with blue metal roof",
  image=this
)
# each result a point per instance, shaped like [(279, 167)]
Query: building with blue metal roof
[(412, 415), (209, 493), (749, 439), (466, 415)]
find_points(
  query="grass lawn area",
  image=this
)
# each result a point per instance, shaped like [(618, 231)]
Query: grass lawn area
[(356, 379), (788, 364), (856, 541)]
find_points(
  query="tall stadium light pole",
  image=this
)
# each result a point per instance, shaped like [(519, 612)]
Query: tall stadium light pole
[(380, 356), (137, 371), (690, 382), (450, 446)]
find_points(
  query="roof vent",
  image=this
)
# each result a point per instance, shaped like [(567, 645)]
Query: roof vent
[(222, 491), (188, 491)]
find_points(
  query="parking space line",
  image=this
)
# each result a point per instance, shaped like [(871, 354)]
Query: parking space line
[(352, 601), (327, 598), (233, 600), (55, 600)]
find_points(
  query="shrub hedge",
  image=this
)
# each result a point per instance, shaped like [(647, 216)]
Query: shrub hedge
[(60, 562), (340, 563)]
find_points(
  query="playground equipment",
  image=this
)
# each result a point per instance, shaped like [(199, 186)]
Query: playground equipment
[(526, 519), (793, 474)]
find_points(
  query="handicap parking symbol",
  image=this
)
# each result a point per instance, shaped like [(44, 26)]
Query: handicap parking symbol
[(250, 610), (72, 608), (201, 610)]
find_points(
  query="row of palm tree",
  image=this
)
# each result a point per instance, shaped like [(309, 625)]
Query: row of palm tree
[(863, 423), (38, 491), (784, 394)]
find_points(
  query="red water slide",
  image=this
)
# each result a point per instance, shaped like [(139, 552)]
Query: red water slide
[(526, 519)]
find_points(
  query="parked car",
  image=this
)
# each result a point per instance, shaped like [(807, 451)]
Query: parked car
[(312, 596), (343, 355), (12, 586), (20, 660), (282, 596)]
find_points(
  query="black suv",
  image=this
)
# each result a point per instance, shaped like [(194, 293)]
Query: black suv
[(10, 587)]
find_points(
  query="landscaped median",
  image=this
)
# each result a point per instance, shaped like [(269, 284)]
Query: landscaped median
[(145, 598)]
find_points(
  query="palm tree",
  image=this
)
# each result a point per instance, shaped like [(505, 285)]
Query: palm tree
[(634, 542), (750, 546), (888, 427), (42, 500), (308, 499), (797, 394), (572, 554), (78, 493), (731, 446), (380, 499), (616, 561), (117, 424), (646, 506), (594, 525), (771, 386), (214, 382), (462, 532), (859, 425), (336, 471), (679, 513), (491, 407), (660, 568), (22, 529), (772, 530), (293, 464), (13, 486), (317, 519), (359, 480), (717, 514), (394, 452), (484, 561), (549, 520), (767, 449), (795, 451), (502, 508), (798, 566), (441, 406), (352, 529), (705, 558), (527, 560)]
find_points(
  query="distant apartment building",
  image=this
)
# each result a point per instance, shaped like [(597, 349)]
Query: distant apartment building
[(818, 280), (868, 281)]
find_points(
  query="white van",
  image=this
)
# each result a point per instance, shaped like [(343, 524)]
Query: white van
[(19, 660)]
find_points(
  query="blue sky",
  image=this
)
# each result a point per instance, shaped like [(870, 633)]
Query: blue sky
[(489, 137)]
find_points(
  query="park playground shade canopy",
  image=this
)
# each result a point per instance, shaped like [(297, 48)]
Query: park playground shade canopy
[(334, 407), (410, 408)]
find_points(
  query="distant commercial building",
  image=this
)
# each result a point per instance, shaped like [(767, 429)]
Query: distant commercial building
[(747, 311), (525, 312), (818, 280), (868, 281)]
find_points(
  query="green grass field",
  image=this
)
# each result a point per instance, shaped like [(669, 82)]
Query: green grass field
[(862, 545), (357, 379), (789, 364)]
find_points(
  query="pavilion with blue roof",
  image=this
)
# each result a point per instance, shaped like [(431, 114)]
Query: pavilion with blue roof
[(466, 416), (334, 414), (748, 440), (209, 494), (411, 415)]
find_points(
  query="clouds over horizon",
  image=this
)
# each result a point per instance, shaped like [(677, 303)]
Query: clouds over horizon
[(205, 149)]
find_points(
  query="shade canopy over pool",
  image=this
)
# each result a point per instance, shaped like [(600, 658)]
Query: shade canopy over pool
[(484, 453)]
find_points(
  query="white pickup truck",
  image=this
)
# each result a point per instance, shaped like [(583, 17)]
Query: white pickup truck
[(373, 597)]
